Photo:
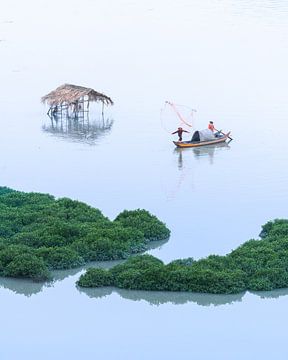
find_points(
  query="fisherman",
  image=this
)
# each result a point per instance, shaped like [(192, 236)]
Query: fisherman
[(216, 132), (211, 126), (180, 131)]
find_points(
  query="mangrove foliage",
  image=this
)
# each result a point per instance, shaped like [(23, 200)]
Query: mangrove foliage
[(39, 233), (255, 265)]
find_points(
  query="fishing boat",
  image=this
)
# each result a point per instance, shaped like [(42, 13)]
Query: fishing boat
[(188, 144)]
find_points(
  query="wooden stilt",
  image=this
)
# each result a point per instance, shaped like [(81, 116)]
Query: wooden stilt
[(103, 111)]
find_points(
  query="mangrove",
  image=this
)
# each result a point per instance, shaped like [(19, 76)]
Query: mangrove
[(39, 233), (255, 265)]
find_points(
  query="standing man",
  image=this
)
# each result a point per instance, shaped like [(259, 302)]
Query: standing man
[(179, 131)]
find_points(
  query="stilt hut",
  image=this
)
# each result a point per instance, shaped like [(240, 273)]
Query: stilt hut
[(73, 100)]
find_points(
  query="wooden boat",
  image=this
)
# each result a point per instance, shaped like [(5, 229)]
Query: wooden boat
[(189, 144)]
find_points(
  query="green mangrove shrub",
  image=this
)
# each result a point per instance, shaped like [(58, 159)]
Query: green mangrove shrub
[(39, 233), (99, 277), (255, 265), (27, 266), (145, 222)]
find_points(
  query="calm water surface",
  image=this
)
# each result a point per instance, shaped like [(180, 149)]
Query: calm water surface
[(227, 59)]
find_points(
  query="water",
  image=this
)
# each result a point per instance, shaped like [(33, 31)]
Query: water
[(227, 59)]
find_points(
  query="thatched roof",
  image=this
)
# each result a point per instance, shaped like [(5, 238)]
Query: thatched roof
[(68, 94)]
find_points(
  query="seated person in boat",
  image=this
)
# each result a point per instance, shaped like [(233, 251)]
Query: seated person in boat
[(213, 129), (211, 126), (180, 131)]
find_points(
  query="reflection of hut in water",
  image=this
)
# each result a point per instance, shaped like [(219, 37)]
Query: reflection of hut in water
[(78, 130), (73, 101)]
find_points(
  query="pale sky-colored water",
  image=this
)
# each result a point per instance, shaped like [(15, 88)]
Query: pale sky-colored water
[(227, 59)]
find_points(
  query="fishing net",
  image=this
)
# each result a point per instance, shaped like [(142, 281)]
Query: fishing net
[(175, 115)]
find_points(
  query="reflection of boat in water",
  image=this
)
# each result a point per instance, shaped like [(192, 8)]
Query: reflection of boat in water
[(78, 130), (189, 144), (201, 151), (186, 169), (210, 150)]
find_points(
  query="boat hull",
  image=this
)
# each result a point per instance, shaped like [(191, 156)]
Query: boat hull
[(189, 144)]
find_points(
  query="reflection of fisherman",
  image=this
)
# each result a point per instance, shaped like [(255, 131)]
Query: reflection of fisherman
[(180, 159), (180, 131)]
